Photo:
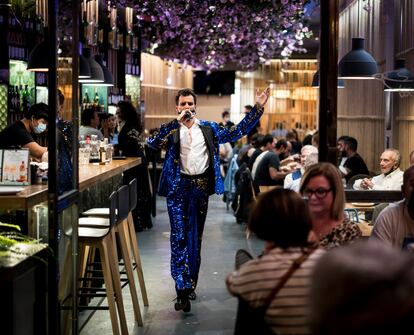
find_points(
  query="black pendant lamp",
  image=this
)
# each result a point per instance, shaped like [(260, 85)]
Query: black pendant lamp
[(84, 70), (97, 75), (38, 58), (108, 78), (315, 81), (358, 63), (399, 80)]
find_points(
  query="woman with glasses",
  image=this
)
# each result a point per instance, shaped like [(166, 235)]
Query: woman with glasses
[(322, 186)]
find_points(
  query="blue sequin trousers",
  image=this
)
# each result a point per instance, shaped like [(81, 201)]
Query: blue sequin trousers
[(187, 209)]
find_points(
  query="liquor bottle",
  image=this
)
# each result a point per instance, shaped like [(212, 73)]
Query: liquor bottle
[(25, 99), (23, 172), (96, 98), (16, 98), (102, 154), (85, 100)]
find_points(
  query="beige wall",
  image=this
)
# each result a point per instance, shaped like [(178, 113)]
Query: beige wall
[(210, 107)]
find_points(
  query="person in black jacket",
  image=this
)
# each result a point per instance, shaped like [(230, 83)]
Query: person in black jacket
[(129, 144)]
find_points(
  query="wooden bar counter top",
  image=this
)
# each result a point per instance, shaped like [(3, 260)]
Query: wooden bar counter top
[(88, 175)]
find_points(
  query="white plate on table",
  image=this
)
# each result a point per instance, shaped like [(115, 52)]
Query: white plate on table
[(10, 189)]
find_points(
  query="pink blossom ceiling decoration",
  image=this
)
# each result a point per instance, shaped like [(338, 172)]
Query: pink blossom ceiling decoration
[(211, 35)]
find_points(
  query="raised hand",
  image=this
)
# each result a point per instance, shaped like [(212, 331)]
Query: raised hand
[(261, 98)]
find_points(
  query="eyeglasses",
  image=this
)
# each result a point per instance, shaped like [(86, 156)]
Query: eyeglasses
[(320, 193)]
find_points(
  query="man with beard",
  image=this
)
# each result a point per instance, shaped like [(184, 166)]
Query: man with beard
[(395, 224), (353, 164)]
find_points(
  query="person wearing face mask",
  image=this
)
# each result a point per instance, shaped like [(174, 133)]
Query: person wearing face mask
[(130, 145), (391, 177), (191, 173), (395, 224), (20, 134)]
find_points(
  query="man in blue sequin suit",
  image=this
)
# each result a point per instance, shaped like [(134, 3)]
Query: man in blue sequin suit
[(191, 173)]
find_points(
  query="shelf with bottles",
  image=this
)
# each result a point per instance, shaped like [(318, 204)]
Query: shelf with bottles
[(23, 33), (95, 97), (132, 64), (21, 90), (116, 95)]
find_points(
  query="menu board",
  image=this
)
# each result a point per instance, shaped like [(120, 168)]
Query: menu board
[(15, 167)]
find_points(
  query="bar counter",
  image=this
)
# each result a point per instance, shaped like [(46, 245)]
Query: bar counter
[(89, 175)]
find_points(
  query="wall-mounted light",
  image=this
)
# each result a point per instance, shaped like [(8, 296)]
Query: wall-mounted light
[(358, 63)]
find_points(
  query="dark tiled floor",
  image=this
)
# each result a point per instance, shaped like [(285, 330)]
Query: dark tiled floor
[(214, 310)]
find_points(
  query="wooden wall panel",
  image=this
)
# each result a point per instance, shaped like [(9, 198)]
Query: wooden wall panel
[(160, 82), (292, 99), (361, 104), (404, 103)]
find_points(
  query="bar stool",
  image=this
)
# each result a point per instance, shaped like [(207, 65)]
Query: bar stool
[(124, 239), (133, 238), (133, 243), (102, 238)]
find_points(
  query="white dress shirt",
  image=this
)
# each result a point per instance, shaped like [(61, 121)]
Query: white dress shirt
[(390, 182), (194, 157)]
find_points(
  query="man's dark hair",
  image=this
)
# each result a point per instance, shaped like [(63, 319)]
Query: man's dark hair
[(342, 138), (281, 143), (38, 111), (87, 115), (256, 140), (352, 143), (268, 138), (225, 113), (185, 93)]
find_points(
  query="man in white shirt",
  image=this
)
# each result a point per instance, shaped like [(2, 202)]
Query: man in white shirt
[(308, 157), (191, 173), (395, 224), (391, 177)]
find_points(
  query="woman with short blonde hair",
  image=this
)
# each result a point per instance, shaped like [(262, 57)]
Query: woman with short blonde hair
[(322, 186)]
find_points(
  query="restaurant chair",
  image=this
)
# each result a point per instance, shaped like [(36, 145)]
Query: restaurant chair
[(351, 181), (352, 214), (94, 232), (134, 241)]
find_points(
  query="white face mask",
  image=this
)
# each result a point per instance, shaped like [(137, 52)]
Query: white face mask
[(40, 128), (120, 125)]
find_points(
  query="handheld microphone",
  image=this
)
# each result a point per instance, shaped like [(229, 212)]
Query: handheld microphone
[(187, 115)]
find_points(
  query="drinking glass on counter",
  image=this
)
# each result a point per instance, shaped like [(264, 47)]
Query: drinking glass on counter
[(84, 154)]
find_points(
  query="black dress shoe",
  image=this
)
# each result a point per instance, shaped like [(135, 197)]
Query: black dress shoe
[(192, 295), (182, 304)]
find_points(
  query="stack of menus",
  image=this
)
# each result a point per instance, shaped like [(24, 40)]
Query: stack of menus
[(14, 167)]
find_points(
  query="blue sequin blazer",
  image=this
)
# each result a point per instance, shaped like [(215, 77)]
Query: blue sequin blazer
[(168, 135)]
